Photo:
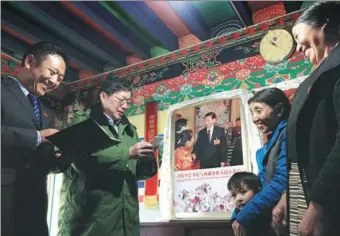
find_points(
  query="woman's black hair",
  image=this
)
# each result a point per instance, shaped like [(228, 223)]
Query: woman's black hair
[(320, 14), (244, 181), (184, 136), (180, 123), (272, 97)]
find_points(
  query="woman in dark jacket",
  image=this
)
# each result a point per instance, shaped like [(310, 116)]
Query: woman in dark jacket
[(313, 136), (270, 109)]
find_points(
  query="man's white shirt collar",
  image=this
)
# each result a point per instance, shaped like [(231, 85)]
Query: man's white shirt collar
[(22, 87)]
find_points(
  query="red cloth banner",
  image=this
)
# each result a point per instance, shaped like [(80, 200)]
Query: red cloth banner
[(151, 185)]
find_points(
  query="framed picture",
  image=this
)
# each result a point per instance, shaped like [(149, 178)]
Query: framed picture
[(207, 140)]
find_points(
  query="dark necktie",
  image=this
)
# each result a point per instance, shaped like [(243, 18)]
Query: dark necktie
[(35, 106), (209, 135)]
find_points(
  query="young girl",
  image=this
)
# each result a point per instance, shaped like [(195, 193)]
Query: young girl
[(243, 187), (183, 157)]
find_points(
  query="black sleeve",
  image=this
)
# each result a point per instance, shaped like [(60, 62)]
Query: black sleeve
[(146, 169), (19, 137), (48, 160), (326, 189)]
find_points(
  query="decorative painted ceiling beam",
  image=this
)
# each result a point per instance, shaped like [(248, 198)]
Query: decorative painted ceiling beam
[(75, 11), (128, 22), (71, 75), (10, 23), (258, 5), (191, 17), (293, 5), (226, 41), (169, 17), (269, 12), (54, 25), (243, 13), (149, 21), (56, 11), (111, 27), (306, 4), (215, 12), (16, 46)]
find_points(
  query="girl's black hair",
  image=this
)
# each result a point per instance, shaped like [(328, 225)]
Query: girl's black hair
[(320, 14), (243, 181), (272, 97)]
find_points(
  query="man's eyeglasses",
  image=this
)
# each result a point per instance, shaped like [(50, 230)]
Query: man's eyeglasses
[(122, 102)]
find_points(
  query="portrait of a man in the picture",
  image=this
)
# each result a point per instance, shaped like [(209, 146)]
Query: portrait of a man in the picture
[(210, 146)]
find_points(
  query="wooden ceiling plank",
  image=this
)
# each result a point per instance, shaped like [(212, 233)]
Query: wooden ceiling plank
[(95, 20), (96, 38), (50, 22), (10, 23), (192, 19), (169, 17), (145, 18)]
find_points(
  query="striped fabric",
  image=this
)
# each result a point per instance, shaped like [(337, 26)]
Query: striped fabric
[(140, 191), (35, 106), (141, 183), (230, 150), (297, 201)]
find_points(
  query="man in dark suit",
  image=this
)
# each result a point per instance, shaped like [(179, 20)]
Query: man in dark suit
[(210, 146), (26, 155)]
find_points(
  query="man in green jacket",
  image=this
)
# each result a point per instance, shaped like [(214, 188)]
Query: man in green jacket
[(99, 196)]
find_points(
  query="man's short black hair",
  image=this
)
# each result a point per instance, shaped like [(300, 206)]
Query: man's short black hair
[(211, 114), (42, 49)]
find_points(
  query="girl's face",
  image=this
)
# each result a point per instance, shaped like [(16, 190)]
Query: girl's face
[(243, 197), (264, 116), (190, 142)]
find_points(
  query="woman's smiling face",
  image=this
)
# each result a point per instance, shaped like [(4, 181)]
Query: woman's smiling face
[(310, 42), (264, 116)]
